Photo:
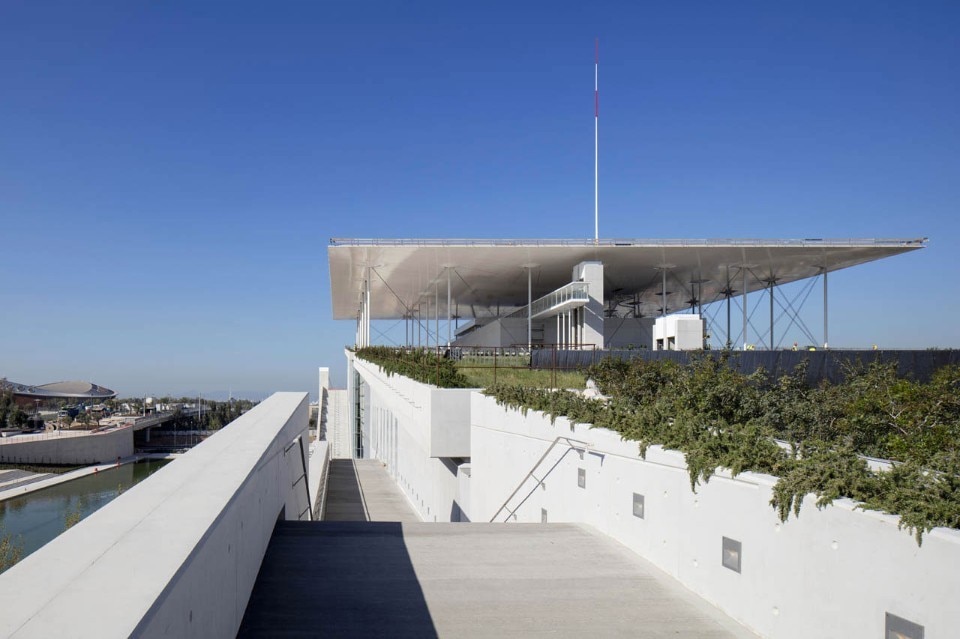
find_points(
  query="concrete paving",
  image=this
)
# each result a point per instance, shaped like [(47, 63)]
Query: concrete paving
[(350, 578), (360, 490)]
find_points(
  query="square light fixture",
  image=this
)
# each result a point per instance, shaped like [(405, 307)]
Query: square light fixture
[(543, 515), (900, 628), (731, 554), (638, 505), (582, 477)]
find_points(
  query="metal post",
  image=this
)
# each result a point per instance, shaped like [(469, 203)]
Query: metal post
[(772, 282), (448, 308), (436, 314), (663, 305), (728, 316), (529, 308), (744, 309), (826, 342), (728, 292)]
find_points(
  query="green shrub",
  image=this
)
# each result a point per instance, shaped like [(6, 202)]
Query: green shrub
[(720, 418), (417, 364)]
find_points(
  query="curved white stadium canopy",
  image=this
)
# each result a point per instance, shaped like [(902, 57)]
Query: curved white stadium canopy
[(60, 390), (486, 273)]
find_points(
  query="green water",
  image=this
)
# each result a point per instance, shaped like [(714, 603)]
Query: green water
[(36, 518)]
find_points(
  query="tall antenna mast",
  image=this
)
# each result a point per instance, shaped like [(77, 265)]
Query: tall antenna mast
[(596, 142)]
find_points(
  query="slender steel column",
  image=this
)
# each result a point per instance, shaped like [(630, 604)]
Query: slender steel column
[(826, 341), (529, 308), (663, 305), (745, 309), (728, 292), (448, 308), (772, 282), (728, 317)]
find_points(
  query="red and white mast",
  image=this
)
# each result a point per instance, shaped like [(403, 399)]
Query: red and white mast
[(596, 142)]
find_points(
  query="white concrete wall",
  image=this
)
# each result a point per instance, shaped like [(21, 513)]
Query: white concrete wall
[(338, 424), (54, 448), (619, 332), (831, 573), (592, 274), (415, 430), (487, 335), (178, 554), (678, 332)]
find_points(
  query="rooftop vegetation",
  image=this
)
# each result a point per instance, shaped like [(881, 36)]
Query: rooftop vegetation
[(814, 439), (428, 367), (474, 370), (719, 417)]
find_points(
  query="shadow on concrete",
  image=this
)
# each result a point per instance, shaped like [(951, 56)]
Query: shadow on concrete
[(344, 496), (337, 579)]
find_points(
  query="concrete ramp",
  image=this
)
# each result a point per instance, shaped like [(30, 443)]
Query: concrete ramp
[(392, 579)]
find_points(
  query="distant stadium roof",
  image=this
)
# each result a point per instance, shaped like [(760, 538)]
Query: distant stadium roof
[(60, 390), (488, 272)]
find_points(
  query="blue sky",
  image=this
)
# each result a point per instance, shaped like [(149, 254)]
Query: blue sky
[(170, 173)]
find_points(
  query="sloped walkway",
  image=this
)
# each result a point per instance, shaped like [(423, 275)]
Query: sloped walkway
[(365, 578), (360, 490)]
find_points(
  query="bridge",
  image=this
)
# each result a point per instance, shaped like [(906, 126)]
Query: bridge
[(158, 419)]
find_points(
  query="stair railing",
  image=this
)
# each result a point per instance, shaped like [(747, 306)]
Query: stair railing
[(574, 444)]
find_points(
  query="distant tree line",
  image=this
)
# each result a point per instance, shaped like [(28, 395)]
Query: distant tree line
[(11, 415), (215, 415)]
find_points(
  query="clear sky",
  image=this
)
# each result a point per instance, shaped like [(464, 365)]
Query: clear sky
[(171, 172)]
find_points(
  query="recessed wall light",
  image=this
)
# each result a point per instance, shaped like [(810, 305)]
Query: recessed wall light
[(731, 554)]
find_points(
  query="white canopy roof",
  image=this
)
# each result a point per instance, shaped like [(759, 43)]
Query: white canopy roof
[(486, 273)]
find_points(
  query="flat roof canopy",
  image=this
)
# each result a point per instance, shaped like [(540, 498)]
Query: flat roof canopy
[(486, 273)]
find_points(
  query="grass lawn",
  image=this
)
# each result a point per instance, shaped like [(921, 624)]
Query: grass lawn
[(482, 374)]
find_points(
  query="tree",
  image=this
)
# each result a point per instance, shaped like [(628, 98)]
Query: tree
[(18, 417), (6, 402), (11, 550)]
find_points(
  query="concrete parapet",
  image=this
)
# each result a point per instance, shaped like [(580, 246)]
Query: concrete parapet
[(178, 554), (832, 572), (67, 447)]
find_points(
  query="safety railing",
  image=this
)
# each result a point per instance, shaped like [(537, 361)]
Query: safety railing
[(574, 444), (566, 297)]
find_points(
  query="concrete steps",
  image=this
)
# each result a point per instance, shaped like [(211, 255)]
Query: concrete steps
[(373, 569)]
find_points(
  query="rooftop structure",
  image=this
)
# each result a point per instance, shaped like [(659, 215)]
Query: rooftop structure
[(480, 279)]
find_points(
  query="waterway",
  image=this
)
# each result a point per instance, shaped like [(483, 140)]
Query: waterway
[(38, 517)]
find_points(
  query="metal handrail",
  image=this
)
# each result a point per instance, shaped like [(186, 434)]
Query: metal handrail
[(573, 443), (574, 292)]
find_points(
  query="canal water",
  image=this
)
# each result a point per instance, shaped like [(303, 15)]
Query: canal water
[(36, 518)]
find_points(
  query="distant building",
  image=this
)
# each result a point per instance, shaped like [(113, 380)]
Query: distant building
[(78, 391)]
